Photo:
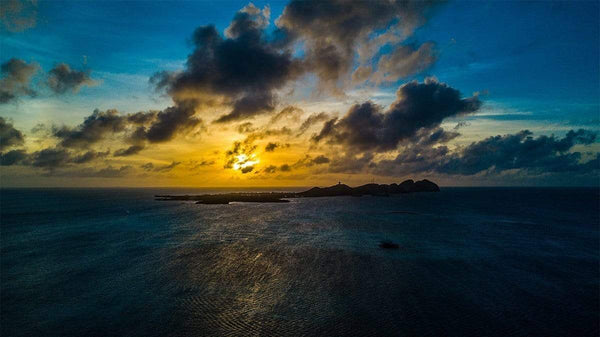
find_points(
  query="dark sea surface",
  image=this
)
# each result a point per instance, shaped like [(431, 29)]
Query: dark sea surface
[(472, 262)]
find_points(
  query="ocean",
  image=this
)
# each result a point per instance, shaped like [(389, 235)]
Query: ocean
[(471, 262)]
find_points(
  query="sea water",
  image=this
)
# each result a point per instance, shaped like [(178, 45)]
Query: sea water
[(470, 262)]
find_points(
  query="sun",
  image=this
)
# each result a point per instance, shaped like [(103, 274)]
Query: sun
[(243, 161)]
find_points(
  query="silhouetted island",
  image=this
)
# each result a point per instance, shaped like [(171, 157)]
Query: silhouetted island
[(407, 186)]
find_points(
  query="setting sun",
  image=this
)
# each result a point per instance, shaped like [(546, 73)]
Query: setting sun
[(244, 162)]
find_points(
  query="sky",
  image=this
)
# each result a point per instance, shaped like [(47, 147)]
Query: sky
[(299, 93)]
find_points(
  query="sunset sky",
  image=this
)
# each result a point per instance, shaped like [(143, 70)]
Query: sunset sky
[(268, 93)]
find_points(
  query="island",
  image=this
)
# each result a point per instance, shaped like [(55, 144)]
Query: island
[(407, 186)]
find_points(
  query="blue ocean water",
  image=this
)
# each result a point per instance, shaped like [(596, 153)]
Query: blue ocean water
[(472, 262)]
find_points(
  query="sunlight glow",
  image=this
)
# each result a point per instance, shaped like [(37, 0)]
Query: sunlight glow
[(244, 161)]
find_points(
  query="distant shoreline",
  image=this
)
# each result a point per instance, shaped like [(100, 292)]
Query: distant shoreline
[(407, 186)]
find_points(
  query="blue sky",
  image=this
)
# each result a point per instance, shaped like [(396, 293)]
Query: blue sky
[(534, 65), (539, 57)]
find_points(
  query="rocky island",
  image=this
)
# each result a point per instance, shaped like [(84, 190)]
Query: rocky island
[(407, 186)]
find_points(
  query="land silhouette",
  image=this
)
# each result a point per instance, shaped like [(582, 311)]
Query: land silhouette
[(407, 186)]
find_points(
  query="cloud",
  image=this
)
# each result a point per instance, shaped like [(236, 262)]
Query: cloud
[(307, 161), (129, 151), (272, 146), (241, 70), (50, 158), (93, 129), (147, 166), (320, 160), (18, 15), (246, 128), (15, 80), (287, 112), (404, 61), (89, 156), (520, 151), (13, 157), (285, 168), (195, 164), (497, 154), (332, 32), (166, 168), (63, 79), (169, 122), (139, 128), (162, 168), (351, 163), (9, 136), (418, 106), (312, 120), (88, 172), (232, 156), (247, 169)]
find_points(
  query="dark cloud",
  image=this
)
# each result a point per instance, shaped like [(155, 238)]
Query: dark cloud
[(287, 112), (88, 172), (270, 169), (129, 151), (147, 166), (435, 136), (350, 163), (332, 31), (241, 70), (461, 124), (163, 168), (195, 164), (172, 120), (18, 15), (108, 172), (419, 106), (246, 128), (307, 161), (63, 79), (320, 160), (9, 136), (141, 127), (520, 151), (166, 168), (312, 120), (142, 117), (271, 147), (13, 157), (247, 169), (88, 157), (15, 80), (50, 158), (93, 129), (248, 106)]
